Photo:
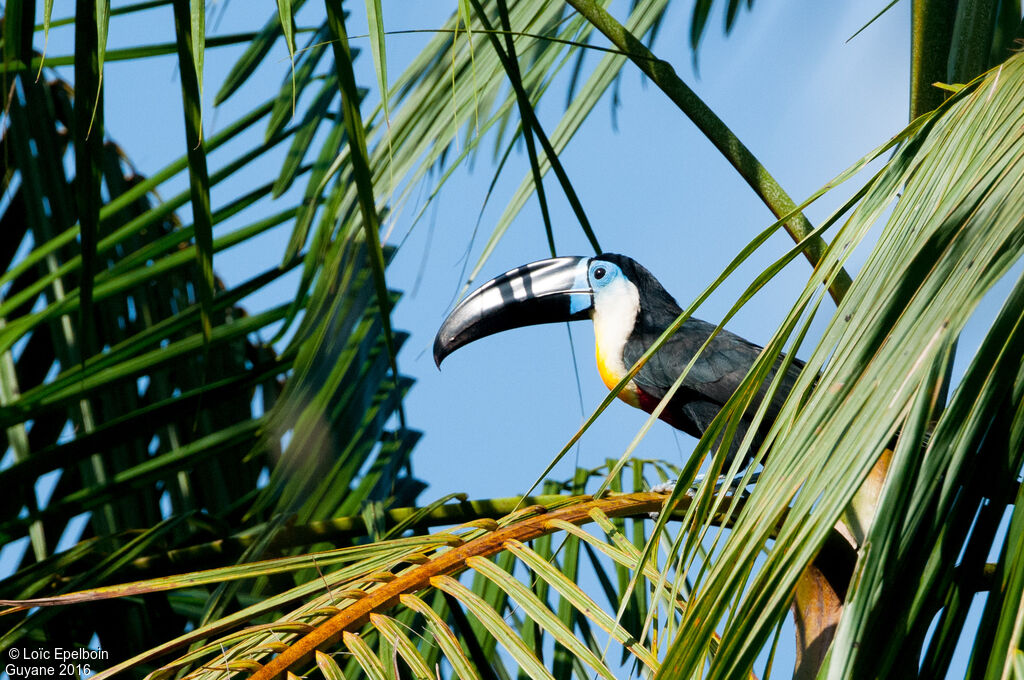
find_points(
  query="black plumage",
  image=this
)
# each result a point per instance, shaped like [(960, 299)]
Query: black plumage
[(714, 377), (571, 288)]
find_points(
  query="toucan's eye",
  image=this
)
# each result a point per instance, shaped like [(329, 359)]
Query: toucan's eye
[(599, 273)]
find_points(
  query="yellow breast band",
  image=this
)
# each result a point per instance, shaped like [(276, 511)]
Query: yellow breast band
[(611, 377)]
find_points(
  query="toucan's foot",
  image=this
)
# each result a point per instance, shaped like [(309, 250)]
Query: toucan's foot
[(668, 487), (664, 487), (733, 485)]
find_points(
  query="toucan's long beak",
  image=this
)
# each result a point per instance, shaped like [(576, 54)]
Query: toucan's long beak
[(540, 292)]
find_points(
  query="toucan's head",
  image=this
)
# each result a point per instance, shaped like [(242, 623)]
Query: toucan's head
[(608, 288)]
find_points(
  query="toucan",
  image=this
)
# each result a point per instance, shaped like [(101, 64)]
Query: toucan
[(630, 309)]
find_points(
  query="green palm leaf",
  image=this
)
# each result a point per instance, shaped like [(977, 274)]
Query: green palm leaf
[(234, 478), (953, 234)]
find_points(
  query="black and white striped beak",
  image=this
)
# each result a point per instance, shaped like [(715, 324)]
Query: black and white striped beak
[(546, 291)]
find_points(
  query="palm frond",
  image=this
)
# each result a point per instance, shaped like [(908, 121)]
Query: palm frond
[(161, 420), (178, 408), (878, 371), (372, 601)]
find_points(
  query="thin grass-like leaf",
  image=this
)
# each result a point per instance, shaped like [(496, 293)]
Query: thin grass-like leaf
[(133, 194), (327, 558), (90, 47), (304, 75), (361, 171), (443, 636), (539, 612), (376, 561), (128, 280), (47, 13), (104, 492), (581, 601), (284, 14), (601, 78), (199, 180), (106, 567), (465, 15), (303, 137), (365, 657), (511, 64), (494, 623), (698, 21), (197, 21), (873, 19), (254, 55), (390, 630), (329, 667), (1003, 608), (125, 53), (375, 23)]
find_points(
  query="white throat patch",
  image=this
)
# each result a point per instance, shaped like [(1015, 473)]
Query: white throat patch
[(616, 307)]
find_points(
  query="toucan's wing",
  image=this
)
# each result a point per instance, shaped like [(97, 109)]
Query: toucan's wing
[(712, 379)]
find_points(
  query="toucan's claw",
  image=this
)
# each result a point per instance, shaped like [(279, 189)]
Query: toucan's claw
[(665, 487), (734, 484)]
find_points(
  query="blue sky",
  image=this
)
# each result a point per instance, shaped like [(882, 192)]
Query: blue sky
[(786, 81), (805, 99), (808, 106)]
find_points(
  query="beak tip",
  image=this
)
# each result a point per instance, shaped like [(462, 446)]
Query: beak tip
[(535, 293), (440, 351)]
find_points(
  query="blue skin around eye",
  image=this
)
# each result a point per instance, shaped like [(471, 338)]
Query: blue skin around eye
[(586, 281), (579, 303), (611, 273)]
